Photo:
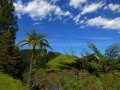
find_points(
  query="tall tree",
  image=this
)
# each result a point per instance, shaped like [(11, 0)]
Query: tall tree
[(8, 21), (33, 39), (8, 29)]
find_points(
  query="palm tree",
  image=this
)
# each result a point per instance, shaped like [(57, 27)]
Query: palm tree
[(33, 39)]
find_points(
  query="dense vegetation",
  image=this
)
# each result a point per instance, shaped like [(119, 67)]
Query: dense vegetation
[(36, 68)]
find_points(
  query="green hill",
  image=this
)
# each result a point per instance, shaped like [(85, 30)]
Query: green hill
[(8, 83)]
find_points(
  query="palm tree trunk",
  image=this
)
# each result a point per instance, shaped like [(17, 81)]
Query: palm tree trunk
[(30, 68)]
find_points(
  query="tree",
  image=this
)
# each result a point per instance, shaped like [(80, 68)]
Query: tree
[(33, 39), (8, 21), (8, 29)]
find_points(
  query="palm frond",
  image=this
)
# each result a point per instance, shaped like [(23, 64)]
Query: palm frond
[(31, 34), (26, 32), (85, 53), (41, 36), (21, 42), (39, 44), (22, 45), (46, 45), (95, 50), (29, 38), (112, 52), (34, 33)]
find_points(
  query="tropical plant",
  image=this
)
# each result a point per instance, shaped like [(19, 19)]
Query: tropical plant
[(105, 62), (33, 39)]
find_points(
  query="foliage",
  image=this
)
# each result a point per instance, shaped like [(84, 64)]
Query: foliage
[(9, 55), (64, 80), (10, 60), (33, 39), (8, 83), (110, 81), (41, 62), (61, 61), (8, 21), (112, 52), (105, 62)]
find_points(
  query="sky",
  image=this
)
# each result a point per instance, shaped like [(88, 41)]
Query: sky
[(70, 24)]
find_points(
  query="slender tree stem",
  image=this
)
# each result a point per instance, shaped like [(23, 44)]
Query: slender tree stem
[(30, 67)]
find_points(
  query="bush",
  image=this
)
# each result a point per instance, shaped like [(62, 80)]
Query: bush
[(8, 83)]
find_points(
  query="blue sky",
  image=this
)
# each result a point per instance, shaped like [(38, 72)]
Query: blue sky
[(71, 23)]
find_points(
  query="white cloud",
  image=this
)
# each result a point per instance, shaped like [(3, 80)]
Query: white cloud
[(105, 23), (39, 9), (76, 3), (19, 8), (58, 11), (77, 18), (82, 21), (114, 7), (92, 7)]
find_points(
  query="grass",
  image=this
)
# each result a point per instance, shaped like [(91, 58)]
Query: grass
[(61, 61), (8, 83)]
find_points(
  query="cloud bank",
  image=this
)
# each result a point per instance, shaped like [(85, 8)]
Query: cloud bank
[(76, 3), (105, 23), (92, 7), (113, 7), (39, 9)]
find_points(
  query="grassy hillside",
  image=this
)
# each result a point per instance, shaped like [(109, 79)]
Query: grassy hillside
[(61, 61), (8, 83)]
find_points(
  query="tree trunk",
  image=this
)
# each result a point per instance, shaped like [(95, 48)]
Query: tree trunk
[(77, 75), (46, 87), (30, 67)]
